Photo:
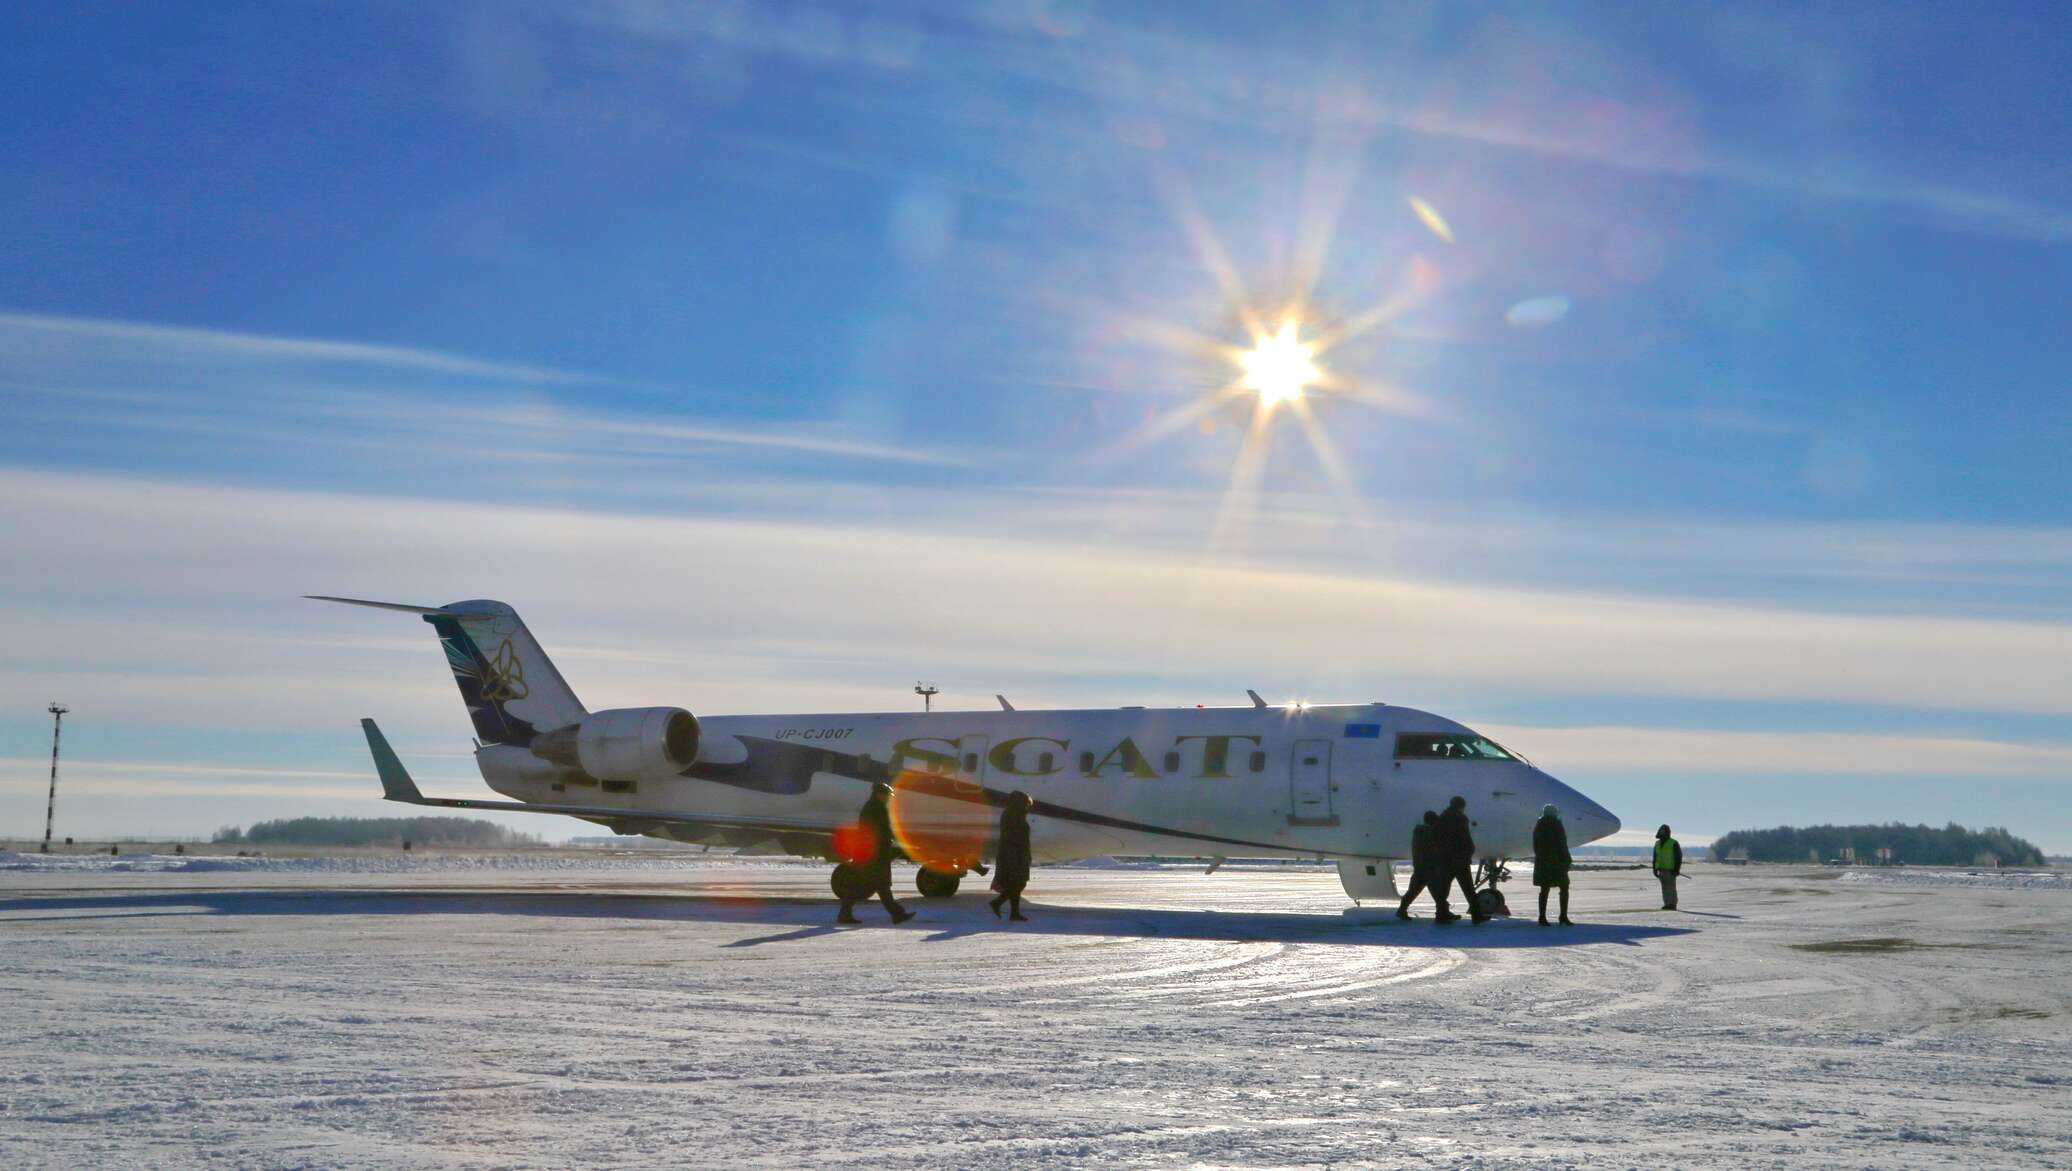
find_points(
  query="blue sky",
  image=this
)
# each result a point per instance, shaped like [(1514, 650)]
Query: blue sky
[(1705, 437)]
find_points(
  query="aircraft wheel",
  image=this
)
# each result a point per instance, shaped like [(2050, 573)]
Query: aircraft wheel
[(936, 884), (849, 883)]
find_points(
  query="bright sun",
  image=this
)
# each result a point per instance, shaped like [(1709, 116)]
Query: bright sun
[(1278, 366)]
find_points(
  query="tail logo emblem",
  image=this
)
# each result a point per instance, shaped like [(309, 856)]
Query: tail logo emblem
[(505, 678)]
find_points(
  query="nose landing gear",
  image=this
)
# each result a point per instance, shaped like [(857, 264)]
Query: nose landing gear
[(1488, 898)]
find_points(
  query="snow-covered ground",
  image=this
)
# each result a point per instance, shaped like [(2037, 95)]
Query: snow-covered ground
[(646, 1012), (2004, 879)]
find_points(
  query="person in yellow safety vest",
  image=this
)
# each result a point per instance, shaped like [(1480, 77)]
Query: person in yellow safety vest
[(1668, 864)]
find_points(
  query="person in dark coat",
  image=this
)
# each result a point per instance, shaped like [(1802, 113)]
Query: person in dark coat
[(1456, 845), (875, 873), (1550, 860), (1424, 870), (1011, 857)]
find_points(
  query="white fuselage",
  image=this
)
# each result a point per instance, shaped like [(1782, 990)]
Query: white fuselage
[(1311, 781)]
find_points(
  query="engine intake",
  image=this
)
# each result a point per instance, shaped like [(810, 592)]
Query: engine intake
[(624, 743)]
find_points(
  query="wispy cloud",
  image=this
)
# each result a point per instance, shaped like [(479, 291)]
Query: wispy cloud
[(103, 779), (247, 388), (24, 336), (1535, 132), (658, 436), (1030, 611), (1157, 70)]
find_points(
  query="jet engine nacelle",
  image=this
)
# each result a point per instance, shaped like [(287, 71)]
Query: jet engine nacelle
[(625, 743)]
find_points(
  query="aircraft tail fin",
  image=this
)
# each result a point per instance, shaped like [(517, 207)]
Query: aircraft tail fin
[(511, 688)]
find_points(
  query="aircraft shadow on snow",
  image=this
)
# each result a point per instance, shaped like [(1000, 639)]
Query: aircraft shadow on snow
[(806, 919)]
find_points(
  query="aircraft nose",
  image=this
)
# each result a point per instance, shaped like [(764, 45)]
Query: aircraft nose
[(1587, 820)]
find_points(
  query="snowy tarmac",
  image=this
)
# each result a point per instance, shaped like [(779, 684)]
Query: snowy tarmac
[(655, 1012)]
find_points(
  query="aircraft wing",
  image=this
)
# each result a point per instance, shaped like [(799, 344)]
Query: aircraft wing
[(397, 785)]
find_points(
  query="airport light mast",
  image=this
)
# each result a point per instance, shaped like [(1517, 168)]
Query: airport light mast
[(50, 811), (927, 692)]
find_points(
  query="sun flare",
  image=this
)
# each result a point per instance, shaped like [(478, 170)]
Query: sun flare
[(1265, 372), (1279, 365)]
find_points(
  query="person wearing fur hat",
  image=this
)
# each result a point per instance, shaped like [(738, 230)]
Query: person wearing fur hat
[(1011, 856), (874, 875), (1550, 860)]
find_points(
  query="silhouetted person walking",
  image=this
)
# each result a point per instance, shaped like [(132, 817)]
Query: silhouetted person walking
[(1550, 860), (1668, 865), (1011, 857), (875, 874), (1424, 870), (1456, 846)]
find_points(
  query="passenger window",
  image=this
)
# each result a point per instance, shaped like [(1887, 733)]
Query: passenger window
[(971, 763), (1309, 760), (1258, 762), (1172, 762), (1086, 763), (619, 786), (863, 764), (1044, 763)]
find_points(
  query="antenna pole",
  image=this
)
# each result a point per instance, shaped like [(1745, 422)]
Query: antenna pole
[(927, 693), (50, 811)]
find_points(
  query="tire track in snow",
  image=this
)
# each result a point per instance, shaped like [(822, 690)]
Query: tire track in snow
[(1439, 964), (1246, 954)]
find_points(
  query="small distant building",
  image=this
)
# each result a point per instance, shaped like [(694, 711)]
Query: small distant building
[(1884, 855), (1986, 860), (1738, 856)]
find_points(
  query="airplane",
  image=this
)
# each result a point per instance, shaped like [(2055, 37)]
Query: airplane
[(1343, 783)]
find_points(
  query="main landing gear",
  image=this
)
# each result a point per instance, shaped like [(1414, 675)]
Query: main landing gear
[(936, 884)]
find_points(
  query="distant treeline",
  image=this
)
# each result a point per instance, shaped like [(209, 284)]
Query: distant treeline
[(374, 831), (1918, 845)]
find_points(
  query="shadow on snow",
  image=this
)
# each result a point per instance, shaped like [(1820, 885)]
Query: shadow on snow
[(808, 918)]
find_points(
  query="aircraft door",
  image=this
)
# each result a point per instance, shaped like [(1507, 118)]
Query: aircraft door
[(1310, 792)]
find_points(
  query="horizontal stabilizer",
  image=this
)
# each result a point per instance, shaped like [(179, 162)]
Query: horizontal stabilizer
[(405, 607)]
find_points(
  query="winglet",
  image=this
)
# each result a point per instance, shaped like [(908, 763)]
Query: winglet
[(396, 784), (1004, 705), (1256, 701)]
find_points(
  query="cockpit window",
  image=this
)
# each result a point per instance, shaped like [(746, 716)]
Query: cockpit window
[(1447, 746)]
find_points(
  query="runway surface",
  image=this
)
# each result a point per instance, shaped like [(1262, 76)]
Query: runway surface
[(483, 1013)]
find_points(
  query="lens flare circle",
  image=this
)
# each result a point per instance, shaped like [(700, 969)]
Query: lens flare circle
[(942, 820), (854, 842), (1429, 216), (1537, 312)]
